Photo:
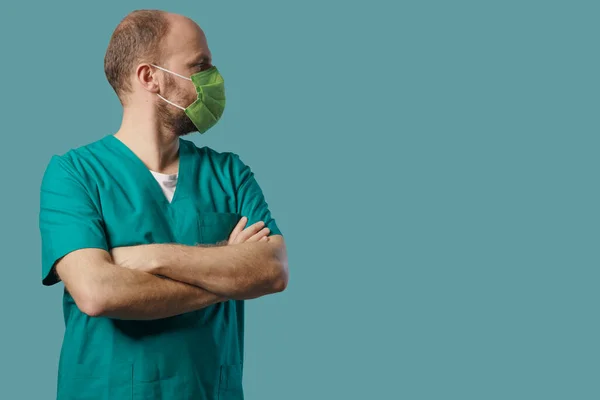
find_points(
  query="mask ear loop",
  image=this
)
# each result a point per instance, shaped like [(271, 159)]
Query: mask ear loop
[(171, 72), (170, 102), (174, 73)]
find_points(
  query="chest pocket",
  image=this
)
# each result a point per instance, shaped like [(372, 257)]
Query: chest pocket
[(217, 226)]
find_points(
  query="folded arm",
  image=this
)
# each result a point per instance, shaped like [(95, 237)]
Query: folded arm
[(240, 271), (101, 288)]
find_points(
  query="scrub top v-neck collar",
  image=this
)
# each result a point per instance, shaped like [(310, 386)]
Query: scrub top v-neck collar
[(145, 173)]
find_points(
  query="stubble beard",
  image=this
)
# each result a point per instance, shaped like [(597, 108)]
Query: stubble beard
[(174, 119)]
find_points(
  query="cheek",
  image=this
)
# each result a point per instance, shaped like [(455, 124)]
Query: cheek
[(192, 95), (187, 96)]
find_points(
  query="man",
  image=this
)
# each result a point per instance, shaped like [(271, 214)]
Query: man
[(157, 241)]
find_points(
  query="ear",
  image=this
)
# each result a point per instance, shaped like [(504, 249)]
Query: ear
[(146, 76)]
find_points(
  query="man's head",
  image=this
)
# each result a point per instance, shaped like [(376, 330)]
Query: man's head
[(171, 41)]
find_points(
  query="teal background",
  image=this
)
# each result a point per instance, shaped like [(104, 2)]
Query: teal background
[(433, 166)]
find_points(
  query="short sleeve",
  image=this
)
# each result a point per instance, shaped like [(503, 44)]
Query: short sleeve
[(68, 218), (250, 200)]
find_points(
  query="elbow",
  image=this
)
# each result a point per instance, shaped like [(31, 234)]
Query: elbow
[(90, 302), (92, 309), (280, 277), (279, 285), (280, 270)]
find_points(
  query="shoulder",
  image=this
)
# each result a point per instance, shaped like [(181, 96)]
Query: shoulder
[(60, 166), (70, 164)]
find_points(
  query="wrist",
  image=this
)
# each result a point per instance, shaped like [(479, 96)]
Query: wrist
[(156, 256)]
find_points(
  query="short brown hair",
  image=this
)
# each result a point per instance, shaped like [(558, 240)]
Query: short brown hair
[(136, 39)]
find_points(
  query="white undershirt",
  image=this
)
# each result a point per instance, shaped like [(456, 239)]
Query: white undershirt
[(167, 182)]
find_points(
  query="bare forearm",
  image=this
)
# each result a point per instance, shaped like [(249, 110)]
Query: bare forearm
[(129, 294), (240, 271)]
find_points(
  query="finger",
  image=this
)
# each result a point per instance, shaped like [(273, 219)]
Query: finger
[(251, 230), (238, 228), (264, 239), (263, 233)]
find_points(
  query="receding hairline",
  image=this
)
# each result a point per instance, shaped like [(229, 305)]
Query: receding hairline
[(139, 36), (175, 20), (146, 36)]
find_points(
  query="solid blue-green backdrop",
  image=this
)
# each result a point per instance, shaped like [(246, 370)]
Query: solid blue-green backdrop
[(433, 166)]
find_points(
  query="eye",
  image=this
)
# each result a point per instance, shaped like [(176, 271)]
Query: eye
[(204, 66)]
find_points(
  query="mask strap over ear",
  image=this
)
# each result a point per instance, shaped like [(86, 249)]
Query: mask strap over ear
[(171, 72), (174, 73)]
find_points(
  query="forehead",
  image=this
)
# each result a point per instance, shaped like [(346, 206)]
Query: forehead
[(185, 41)]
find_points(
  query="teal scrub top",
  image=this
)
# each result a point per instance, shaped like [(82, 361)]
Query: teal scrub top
[(102, 196)]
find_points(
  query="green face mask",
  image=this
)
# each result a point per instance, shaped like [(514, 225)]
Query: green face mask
[(209, 106)]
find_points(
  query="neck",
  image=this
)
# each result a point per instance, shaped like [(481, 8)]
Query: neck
[(157, 147)]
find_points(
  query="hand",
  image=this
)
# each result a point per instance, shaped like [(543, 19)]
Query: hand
[(133, 257), (254, 233)]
